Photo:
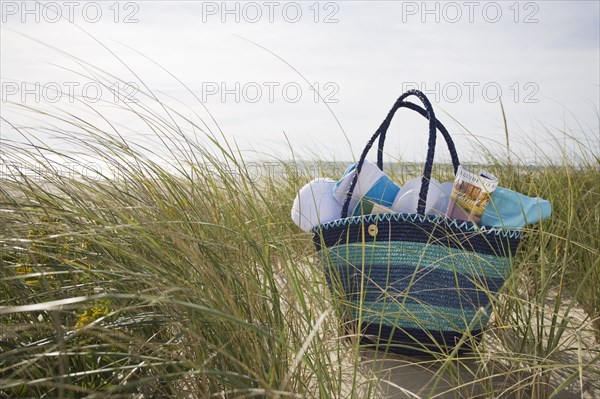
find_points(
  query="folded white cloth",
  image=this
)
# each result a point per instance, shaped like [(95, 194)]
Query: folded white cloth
[(442, 204), (314, 204), (438, 194)]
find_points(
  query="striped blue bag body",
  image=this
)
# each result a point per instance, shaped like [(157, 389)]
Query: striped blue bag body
[(414, 283)]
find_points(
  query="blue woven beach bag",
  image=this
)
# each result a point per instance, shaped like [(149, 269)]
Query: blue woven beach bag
[(412, 283)]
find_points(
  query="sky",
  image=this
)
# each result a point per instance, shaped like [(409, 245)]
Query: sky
[(256, 68)]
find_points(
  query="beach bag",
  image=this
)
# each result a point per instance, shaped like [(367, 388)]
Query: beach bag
[(414, 283)]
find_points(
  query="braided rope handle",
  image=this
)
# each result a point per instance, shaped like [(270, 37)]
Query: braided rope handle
[(381, 133), (442, 129)]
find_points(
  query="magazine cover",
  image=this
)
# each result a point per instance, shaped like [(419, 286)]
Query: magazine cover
[(470, 194)]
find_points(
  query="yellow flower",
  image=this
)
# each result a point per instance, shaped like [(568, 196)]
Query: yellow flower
[(21, 270), (92, 314), (24, 270)]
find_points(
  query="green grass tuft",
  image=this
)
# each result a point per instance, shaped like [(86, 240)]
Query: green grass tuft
[(184, 276)]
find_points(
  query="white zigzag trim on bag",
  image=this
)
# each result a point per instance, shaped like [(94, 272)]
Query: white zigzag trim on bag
[(414, 217)]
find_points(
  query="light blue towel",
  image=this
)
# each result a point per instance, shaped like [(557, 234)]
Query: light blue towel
[(513, 210)]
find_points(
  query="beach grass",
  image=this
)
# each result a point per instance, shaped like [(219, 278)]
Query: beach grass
[(183, 275)]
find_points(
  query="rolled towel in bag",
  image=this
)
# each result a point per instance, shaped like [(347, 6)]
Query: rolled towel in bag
[(372, 185), (314, 204), (408, 198)]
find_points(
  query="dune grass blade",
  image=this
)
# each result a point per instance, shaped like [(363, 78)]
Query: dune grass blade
[(174, 270)]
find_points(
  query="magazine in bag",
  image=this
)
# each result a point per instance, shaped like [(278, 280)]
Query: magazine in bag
[(470, 194)]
